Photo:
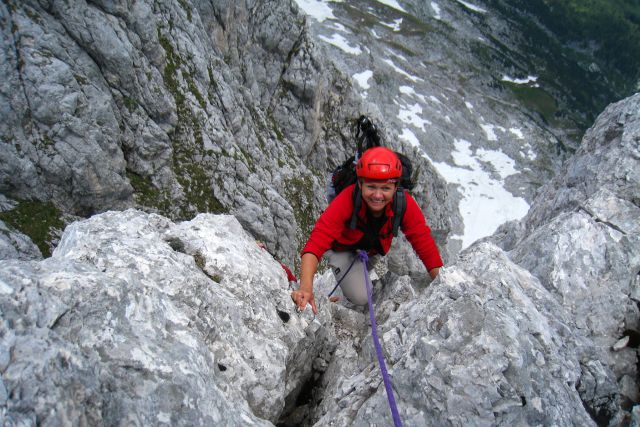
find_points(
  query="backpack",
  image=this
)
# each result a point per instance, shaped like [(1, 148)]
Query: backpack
[(366, 135)]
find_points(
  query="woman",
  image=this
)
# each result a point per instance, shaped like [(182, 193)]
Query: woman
[(378, 171)]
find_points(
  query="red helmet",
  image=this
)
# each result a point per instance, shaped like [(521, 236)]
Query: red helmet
[(379, 163)]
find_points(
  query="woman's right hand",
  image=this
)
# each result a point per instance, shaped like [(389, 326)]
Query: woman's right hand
[(302, 297)]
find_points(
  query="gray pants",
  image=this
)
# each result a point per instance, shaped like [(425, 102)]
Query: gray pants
[(351, 280)]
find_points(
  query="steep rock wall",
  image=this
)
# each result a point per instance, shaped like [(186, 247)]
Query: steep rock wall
[(140, 320), (176, 108)]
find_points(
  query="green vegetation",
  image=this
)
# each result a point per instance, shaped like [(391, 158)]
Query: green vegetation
[(585, 53), (33, 15), (200, 260), (583, 32), (399, 47), (191, 84), (275, 126), (187, 7), (614, 26), (301, 197), (45, 142), (148, 195), (190, 161), (536, 99), (38, 220), (130, 103), (81, 79)]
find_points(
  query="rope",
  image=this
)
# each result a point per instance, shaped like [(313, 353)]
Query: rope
[(343, 276), (374, 331)]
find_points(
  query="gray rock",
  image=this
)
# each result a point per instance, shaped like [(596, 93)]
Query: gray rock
[(635, 416), (15, 245), (136, 319), (524, 337), (486, 344), (233, 107), (606, 162), (176, 108), (7, 204), (60, 124)]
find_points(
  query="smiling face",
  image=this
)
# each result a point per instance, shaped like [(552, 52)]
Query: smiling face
[(377, 194)]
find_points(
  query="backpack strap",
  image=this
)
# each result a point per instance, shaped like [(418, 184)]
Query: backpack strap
[(399, 208), (357, 204)]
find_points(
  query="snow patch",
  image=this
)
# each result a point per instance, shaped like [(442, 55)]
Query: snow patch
[(530, 154), (472, 7), (397, 55), (525, 81), (338, 26), (485, 203), (401, 71), (392, 3), (317, 9), (436, 10), (411, 115), (340, 42), (517, 132), (410, 137), (503, 164), (363, 79), (395, 25), (408, 90), (489, 131)]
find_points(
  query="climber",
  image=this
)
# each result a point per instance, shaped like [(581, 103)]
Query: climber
[(378, 172)]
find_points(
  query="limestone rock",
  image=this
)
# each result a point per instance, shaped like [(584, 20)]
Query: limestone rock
[(15, 245), (175, 108), (136, 319), (523, 337)]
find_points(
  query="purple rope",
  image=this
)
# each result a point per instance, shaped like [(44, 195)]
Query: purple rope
[(374, 331)]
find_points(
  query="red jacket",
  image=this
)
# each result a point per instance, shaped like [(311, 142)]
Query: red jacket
[(332, 230)]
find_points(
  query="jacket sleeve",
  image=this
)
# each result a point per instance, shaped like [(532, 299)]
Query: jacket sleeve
[(331, 224), (415, 228)]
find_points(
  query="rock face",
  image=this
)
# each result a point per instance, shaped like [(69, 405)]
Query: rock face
[(231, 107), (242, 107), (15, 245), (140, 321), (176, 108), (481, 89), (486, 345), (537, 335), (136, 319)]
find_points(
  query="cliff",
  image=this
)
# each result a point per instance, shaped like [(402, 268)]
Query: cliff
[(136, 319)]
